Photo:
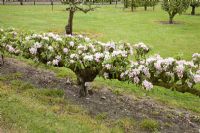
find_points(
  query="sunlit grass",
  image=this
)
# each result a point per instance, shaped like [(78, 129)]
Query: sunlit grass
[(110, 23)]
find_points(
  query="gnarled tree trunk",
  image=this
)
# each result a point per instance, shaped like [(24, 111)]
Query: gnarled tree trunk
[(171, 17), (69, 26), (1, 60)]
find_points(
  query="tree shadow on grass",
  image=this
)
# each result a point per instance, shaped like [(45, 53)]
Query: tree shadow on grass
[(196, 15), (167, 22)]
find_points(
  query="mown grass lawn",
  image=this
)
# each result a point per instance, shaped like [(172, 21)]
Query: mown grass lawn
[(110, 23)]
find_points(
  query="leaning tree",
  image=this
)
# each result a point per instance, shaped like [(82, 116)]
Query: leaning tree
[(174, 7), (73, 6), (194, 4)]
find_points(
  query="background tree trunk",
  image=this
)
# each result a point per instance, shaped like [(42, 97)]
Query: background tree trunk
[(171, 19), (110, 2), (193, 10), (69, 26), (21, 2), (145, 8), (3, 2), (52, 5)]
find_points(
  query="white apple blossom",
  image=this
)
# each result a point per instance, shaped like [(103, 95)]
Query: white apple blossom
[(105, 75), (87, 39), (33, 50), (71, 43), (88, 58), (50, 48), (37, 45), (108, 66)]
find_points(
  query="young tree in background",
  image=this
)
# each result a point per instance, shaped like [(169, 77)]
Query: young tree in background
[(73, 6), (174, 7), (194, 4)]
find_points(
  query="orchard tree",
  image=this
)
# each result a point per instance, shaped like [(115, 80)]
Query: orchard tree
[(73, 6), (21, 2), (145, 3), (194, 4), (174, 7)]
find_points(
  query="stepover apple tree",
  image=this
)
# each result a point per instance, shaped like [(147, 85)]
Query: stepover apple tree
[(72, 7), (174, 7), (194, 4), (90, 58)]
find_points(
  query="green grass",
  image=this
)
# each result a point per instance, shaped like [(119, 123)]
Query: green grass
[(25, 109), (110, 23), (149, 124)]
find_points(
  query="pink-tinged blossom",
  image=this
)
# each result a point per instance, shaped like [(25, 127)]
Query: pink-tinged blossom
[(55, 62), (109, 45), (65, 50), (197, 78), (10, 49), (133, 73), (98, 56), (58, 57), (180, 71), (157, 65), (136, 80), (147, 85)]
